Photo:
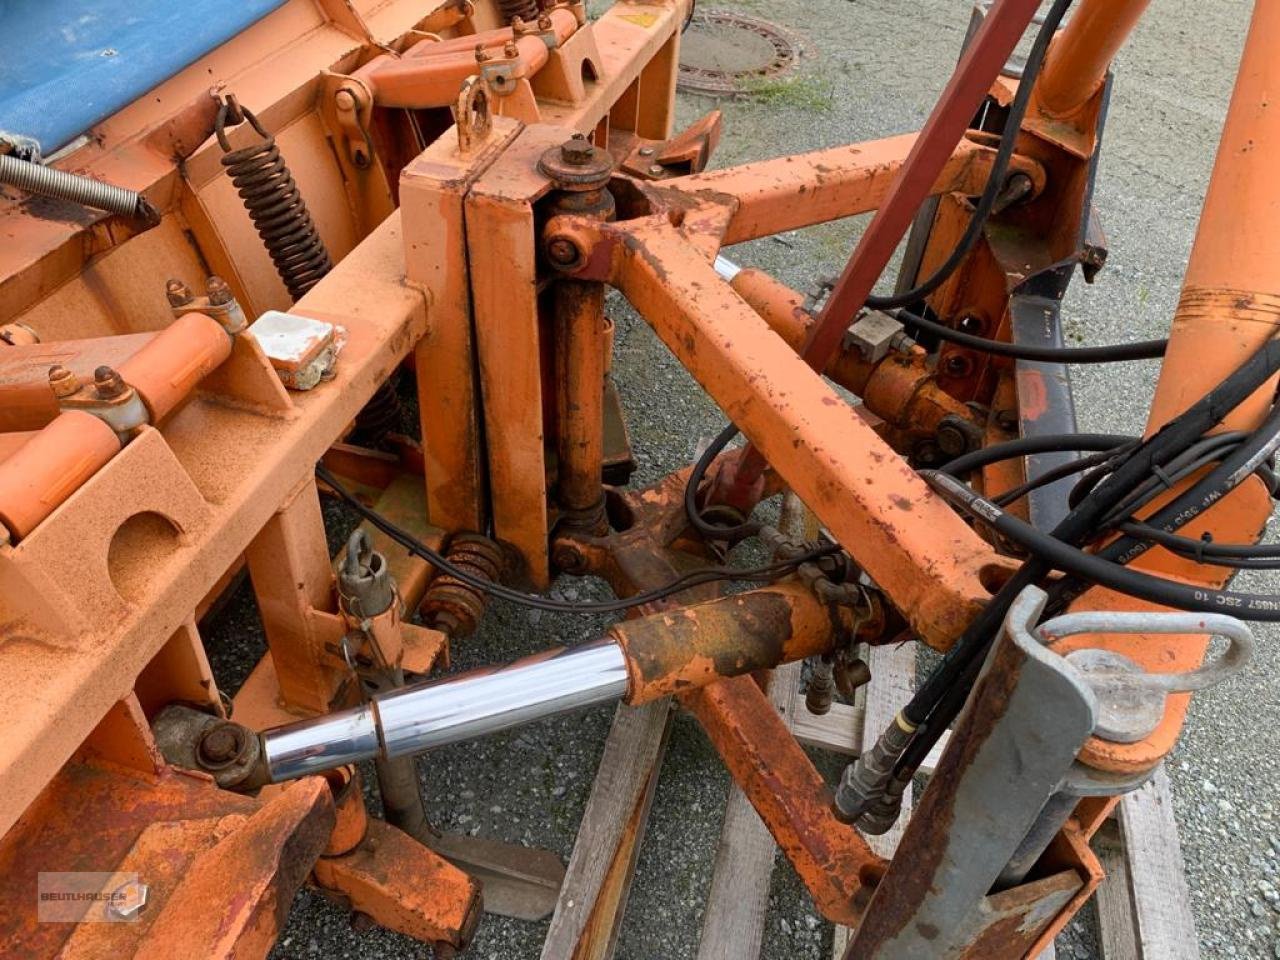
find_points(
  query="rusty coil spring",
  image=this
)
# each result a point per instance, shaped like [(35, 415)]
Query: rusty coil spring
[(381, 416), (277, 209), (526, 10), (451, 605)]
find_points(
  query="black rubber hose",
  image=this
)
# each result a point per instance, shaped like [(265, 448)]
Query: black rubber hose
[(1081, 524), (1268, 558), (1014, 494), (1114, 353), (712, 531), (1046, 443), (1234, 469), (693, 578), (1202, 551), (1093, 568), (1194, 458)]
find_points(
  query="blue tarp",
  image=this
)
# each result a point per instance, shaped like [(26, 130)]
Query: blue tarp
[(67, 64)]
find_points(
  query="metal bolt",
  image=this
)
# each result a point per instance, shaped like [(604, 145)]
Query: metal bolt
[(178, 292), (128, 900), (222, 744), (544, 22), (656, 169), (219, 292), (1016, 189), (63, 381), (951, 439), (821, 690), (517, 25), (577, 151), (345, 100), (481, 55), (511, 49), (646, 151), (563, 252), (568, 558), (1007, 420), (108, 383)]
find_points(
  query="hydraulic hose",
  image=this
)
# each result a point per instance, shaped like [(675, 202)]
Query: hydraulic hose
[(1095, 569), (1114, 353)]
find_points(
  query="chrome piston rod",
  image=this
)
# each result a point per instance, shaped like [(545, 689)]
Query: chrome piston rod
[(423, 716)]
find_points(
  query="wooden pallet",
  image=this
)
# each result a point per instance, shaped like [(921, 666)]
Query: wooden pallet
[(1143, 905)]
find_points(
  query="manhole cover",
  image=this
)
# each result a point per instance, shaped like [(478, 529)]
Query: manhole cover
[(727, 53)]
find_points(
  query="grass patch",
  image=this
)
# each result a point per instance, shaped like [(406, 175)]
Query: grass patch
[(812, 93)]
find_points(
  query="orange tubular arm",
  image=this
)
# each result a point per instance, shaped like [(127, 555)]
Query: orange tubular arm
[(1078, 61), (1230, 306), (790, 192), (832, 858), (910, 542), (50, 467)]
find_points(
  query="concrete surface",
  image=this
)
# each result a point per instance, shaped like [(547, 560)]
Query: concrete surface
[(879, 65)]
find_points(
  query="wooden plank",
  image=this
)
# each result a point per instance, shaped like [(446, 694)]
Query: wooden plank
[(839, 730), (893, 672), (1115, 896), (596, 882), (1163, 922), (733, 924), (601, 933)]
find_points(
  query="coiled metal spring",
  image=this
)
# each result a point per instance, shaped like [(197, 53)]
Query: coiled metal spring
[(381, 415), (456, 607), (277, 209), (526, 10), (60, 185)]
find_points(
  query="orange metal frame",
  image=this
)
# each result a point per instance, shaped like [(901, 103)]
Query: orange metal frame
[(454, 256)]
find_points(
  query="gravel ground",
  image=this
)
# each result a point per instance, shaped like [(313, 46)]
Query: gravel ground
[(877, 67)]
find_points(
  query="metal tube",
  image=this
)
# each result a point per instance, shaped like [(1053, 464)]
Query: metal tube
[(580, 361), (1230, 303), (431, 715), (420, 717), (1079, 58), (321, 743)]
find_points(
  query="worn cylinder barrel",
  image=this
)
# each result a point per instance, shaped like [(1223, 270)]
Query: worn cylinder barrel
[(678, 650)]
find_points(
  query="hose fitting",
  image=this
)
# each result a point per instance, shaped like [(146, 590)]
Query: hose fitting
[(866, 780)]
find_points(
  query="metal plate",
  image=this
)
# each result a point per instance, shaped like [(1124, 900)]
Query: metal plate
[(729, 54)]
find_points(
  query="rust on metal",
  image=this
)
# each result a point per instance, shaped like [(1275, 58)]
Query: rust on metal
[(674, 651), (793, 800)]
